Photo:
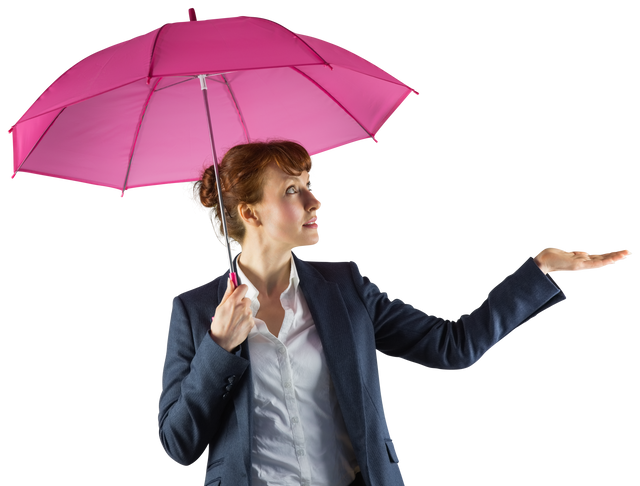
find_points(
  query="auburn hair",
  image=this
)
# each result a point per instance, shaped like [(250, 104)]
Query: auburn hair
[(242, 174)]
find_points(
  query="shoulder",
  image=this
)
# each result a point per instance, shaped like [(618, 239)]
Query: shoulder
[(204, 292), (345, 275), (336, 272)]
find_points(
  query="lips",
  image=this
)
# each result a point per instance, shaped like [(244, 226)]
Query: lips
[(311, 222)]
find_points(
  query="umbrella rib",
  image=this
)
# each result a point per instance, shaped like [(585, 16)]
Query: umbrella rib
[(190, 78), (235, 102), (135, 139), (153, 52), (39, 139), (335, 101), (298, 37)]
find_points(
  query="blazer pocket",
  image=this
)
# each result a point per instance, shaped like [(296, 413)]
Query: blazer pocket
[(391, 451)]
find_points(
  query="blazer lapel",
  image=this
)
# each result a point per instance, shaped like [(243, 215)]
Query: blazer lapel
[(334, 326)]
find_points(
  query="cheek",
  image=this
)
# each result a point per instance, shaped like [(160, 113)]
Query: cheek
[(282, 216), (288, 217)]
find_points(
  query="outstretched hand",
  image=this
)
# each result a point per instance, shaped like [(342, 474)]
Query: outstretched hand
[(552, 259)]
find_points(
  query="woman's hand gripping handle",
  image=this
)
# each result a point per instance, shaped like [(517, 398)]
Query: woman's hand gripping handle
[(233, 320)]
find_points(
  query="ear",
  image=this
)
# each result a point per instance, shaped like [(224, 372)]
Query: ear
[(248, 214)]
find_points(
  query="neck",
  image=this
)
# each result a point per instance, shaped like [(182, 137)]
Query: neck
[(268, 270)]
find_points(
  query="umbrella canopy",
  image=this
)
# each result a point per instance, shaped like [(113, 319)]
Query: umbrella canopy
[(132, 115)]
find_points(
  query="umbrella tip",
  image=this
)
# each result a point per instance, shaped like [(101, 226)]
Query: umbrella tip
[(192, 12), (14, 174)]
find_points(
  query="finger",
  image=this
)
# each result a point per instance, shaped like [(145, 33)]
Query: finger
[(610, 257), (240, 292), (228, 291), (617, 255), (598, 261), (627, 251)]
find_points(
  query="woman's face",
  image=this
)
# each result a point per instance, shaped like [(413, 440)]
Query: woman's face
[(287, 213)]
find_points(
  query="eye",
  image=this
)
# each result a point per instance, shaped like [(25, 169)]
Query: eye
[(311, 185), (291, 190)]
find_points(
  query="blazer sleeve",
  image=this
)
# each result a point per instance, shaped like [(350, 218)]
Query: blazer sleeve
[(197, 384), (403, 331)]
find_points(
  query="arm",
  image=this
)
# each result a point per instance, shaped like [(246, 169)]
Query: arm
[(195, 388), (404, 331), (453, 345)]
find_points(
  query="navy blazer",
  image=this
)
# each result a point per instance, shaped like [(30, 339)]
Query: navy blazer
[(207, 396)]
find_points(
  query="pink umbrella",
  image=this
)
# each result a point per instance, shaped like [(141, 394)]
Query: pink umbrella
[(134, 114)]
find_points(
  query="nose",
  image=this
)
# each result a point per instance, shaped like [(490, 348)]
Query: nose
[(317, 203), (312, 202)]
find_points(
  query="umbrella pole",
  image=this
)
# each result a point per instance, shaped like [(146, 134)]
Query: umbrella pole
[(203, 87)]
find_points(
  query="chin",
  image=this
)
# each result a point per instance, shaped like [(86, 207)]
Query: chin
[(309, 245)]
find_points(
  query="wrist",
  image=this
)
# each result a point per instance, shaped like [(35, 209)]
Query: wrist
[(543, 268)]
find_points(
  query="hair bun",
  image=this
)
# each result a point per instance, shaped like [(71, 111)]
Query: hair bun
[(208, 188)]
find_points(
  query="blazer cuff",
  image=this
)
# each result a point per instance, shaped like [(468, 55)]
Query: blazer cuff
[(558, 299)]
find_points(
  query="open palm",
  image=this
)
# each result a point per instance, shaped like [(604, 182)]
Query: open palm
[(557, 260)]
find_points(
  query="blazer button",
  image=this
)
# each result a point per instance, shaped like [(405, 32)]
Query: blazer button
[(225, 395), (231, 379), (229, 387)]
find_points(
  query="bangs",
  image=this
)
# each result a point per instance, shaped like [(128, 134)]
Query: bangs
[(290, 157)]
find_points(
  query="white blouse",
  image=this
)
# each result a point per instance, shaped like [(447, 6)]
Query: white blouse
[(300, 438)]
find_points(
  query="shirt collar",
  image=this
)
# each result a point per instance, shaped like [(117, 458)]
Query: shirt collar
[(252, 292)]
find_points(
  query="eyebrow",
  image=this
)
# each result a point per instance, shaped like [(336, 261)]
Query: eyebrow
[(293, 178)]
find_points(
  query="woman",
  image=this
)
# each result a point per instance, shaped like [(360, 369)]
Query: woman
[(281, 383)]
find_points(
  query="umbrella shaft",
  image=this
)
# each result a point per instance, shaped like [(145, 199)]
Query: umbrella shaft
[(203, 86)]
